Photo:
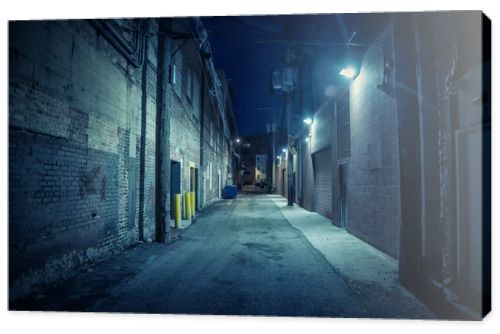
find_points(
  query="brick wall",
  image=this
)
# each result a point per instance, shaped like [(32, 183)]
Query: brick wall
[(79, 118), (185, 112)]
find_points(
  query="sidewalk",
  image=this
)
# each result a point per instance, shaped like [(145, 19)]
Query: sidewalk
[(358, 262)]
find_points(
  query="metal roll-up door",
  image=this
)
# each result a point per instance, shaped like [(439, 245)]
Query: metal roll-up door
[(323, 182)]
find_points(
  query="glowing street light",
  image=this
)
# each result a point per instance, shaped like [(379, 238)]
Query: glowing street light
[(238, 140), (348, 72), (308, 121), (308, 139), (283, 150)]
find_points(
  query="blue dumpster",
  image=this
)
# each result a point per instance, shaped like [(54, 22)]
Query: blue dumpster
[(230, 192)]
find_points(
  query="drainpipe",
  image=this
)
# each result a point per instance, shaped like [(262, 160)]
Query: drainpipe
[(202, 141), (131, 54), (162, 154)]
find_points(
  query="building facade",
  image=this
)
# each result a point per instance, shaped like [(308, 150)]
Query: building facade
[(399, 154), (95, 106)]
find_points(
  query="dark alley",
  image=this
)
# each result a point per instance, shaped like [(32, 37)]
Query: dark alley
[(241, 257)]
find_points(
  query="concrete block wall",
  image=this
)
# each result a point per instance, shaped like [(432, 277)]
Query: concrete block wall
[(373, 188), (78, 120), (321, 128)]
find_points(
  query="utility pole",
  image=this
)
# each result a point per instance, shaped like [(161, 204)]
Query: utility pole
[(285, 80), (272, 128), (273, 177), (162, 156), (288, 87), (289, 157)]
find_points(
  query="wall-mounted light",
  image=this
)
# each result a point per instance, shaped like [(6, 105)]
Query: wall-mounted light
[(348, 72), (308, 121), (308, 139), (238, 140), (283, 150)]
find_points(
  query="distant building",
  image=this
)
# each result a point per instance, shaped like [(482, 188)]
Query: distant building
[(261, 168)]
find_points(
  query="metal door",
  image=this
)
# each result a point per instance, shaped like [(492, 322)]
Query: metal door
[(175, 182), (322, 164)]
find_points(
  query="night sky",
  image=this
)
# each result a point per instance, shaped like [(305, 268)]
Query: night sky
[(249, 48), (248, 63)]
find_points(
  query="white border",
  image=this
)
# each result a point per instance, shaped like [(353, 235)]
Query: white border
[(37, 322)]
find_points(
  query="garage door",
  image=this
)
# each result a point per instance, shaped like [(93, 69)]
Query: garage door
[(323, 182)]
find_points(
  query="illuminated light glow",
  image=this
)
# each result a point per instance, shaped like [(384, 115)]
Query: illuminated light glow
[(238, 140), (308, 139), (308, 121), (348, 72), (283, 150)]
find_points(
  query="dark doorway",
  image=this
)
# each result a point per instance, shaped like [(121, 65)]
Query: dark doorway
[(197, 189), (323, 185), (294, 188), (175, 177), (343, 194), (193, 181), (283, 176), (219, 191)]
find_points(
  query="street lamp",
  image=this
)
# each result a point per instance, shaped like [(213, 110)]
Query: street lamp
[(348, 72)]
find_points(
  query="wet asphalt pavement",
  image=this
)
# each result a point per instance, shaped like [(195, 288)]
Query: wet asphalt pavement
[(241, 257)]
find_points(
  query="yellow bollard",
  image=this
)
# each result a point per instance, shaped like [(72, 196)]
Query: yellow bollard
[(177, 210), (187, 205), (193, 204)]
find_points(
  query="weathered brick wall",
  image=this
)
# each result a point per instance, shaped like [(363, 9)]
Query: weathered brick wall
[(185, 112), (78, 122), (213, 152), (216, 157), (373, 188)]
